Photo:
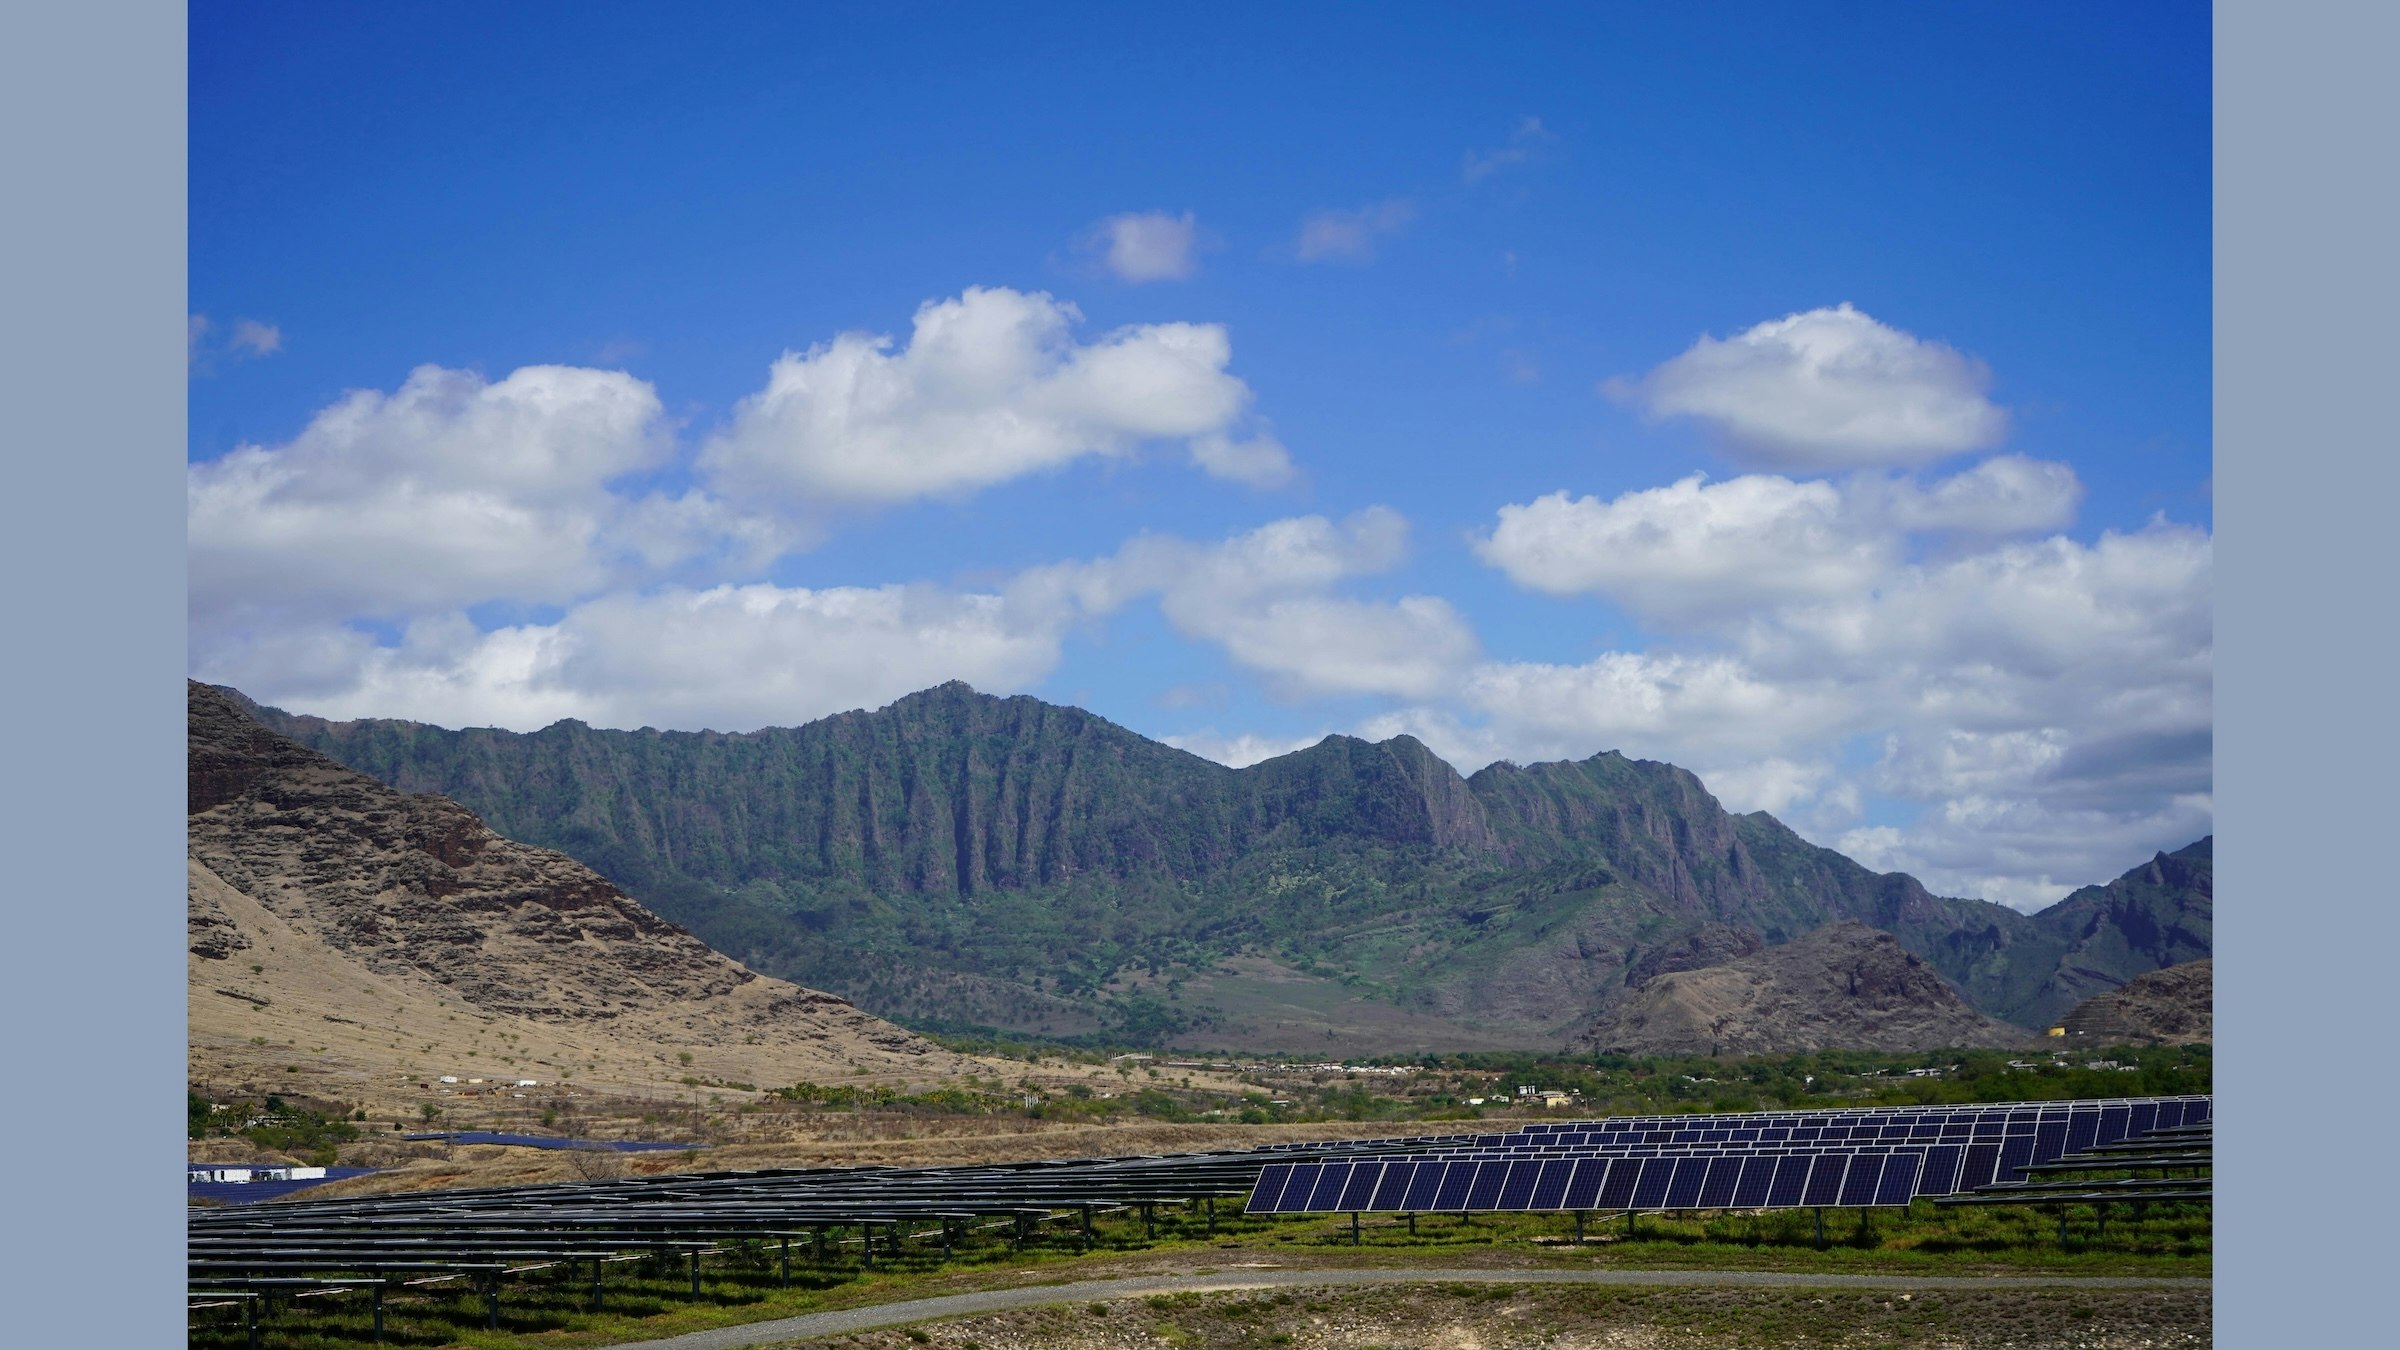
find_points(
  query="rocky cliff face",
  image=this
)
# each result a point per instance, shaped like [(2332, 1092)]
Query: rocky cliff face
[(1843, 986), (2175, 1006), (412, 893)]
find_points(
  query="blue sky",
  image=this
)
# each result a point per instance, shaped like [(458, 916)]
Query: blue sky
[(1247, 374)]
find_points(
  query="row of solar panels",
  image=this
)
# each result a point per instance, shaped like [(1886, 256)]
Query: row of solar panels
[(1725, 1181), (1578, 1167)]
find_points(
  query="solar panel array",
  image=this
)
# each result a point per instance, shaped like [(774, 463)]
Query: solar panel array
[(1752, 1160)]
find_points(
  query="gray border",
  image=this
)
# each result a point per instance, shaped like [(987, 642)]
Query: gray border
[(92, 98), (2305, 486)]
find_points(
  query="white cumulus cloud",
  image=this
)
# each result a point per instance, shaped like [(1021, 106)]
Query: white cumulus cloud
[(1826, 389), (1140, 246), (991, 386), (448, 491), (1693, 547), (729, 658)]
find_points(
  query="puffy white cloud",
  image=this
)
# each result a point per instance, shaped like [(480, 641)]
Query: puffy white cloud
[(1265, 597), (1349, 236), (991, 386), (2046, 702), (449, 491), (1701, 551), (1693, 547), (731, 658), (1140, 246), (1826, 389), (1260, 462), (2006, 494)]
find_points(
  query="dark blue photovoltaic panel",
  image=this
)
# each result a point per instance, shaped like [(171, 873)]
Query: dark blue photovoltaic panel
[(1270, 1185), (1939, 1174), (1899, 1184), (2113, 1120), (1393, 1188), (1758, 1174), (1723, 1175), (1550, 1189), (2015, 1152), (1684, 1191), (1858, 1188), (1298, 1196), (1298, 1177), (1327, 1193), (2142, 1119), (1270, 1195), (1650, 1192), (2049, 1141), (1825, 1180), (1426, 1189), (1583, 1189), (1791, 1178), (2082, 1129), (1454, 1186), (1516, 1193), (1361, 1188), (1485, 1194), (1982, 1166)]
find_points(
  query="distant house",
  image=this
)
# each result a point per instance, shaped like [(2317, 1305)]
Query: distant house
[(245, 1173)]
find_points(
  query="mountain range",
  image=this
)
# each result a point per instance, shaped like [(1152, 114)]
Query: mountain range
[(960, 861), (353, 942)]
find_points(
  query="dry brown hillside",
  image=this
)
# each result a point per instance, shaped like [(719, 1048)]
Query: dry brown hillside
[(1844, 986), (354, 944), (2175, 1006)]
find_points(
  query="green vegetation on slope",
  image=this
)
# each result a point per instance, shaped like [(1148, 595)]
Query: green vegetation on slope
[(961, 861)]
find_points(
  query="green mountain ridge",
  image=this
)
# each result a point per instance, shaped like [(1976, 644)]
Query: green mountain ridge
[(960, 859)]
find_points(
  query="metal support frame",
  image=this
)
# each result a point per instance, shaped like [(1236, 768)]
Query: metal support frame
[(1579, 1225), (1355, 1240), (491, 1300), (1820, 1229), (1087, 1228), (250, 1322), (595, 1284), (379, 1313), (694, 1254), (1212, 1216), (787, 1262)]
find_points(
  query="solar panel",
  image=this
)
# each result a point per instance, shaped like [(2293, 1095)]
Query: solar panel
[(1550, 1186), (1485, 1193), (1516, 1193), (1901, 1177), (1425, 1187), (1683, 1191), (1361, 1189), (1858, 1186), (1393, 1186), (1723, 1175), (1825, 1180)]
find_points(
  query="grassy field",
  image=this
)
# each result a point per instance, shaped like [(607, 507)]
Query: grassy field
[(741, 1285)]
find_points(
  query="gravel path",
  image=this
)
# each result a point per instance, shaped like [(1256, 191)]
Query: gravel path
[(787, 1329)]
